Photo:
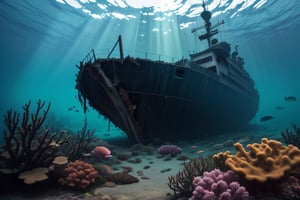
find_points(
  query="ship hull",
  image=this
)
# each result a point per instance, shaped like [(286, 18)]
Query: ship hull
[(153, 99)]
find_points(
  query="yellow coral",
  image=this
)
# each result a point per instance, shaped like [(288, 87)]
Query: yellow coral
[(268, 160), (220, 159)]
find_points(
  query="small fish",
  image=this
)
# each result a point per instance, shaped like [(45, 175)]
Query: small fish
[(266, 118), (77, 110), (69, 109), (290, 98), (200, 151), (194, 146), (100, 153)]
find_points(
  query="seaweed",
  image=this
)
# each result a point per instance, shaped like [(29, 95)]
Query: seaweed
[(182, 182), (290, 137)]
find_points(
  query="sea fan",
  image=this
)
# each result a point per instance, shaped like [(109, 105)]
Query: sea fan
[(182, 182), (290, 137)]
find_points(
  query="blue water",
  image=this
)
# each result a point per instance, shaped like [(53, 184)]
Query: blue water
[(43, 40)]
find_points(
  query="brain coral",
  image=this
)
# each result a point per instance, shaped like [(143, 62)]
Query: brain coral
[(268, 160)]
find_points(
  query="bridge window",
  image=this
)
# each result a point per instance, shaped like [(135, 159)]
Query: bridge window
[(213, 69), (205, 60)]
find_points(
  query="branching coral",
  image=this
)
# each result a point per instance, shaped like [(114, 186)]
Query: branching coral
[(27, 144), (182, 182), (80, 144), (268, 160)]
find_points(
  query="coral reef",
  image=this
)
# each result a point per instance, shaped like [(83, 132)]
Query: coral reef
[(182, 182), (81, 143), (60, 160), (78, 174), (35, 175), (290, 137), (58, 165), (171, 150), (27, 144), (220, 159), (290, 189), (216, 185), (268, 160)]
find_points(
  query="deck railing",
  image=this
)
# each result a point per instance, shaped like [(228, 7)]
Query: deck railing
[(103, 53), (90, 57)]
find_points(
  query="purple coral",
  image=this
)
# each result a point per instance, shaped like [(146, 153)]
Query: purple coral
[(217, 185), (290, 189), (171, 150)]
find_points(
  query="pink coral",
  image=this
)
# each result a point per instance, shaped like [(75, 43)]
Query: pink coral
[(217, 185), (78, 174)]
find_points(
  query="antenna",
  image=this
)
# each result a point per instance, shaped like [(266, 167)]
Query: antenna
[(210, 30)]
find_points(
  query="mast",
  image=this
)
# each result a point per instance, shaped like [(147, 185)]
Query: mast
[(119, 41), (206, 15)]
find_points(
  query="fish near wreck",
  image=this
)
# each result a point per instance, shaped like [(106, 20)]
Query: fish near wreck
[(99, 153), (290, 98), (149, 99), (266, 118)]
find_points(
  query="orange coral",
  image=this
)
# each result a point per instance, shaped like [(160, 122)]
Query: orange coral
[(78, 174), (268, 160), (220, 159)]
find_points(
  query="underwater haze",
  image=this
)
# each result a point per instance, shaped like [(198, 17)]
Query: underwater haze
[(42, 41)]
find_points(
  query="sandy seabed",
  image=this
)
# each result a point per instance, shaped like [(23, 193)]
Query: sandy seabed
[(153, 185)]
